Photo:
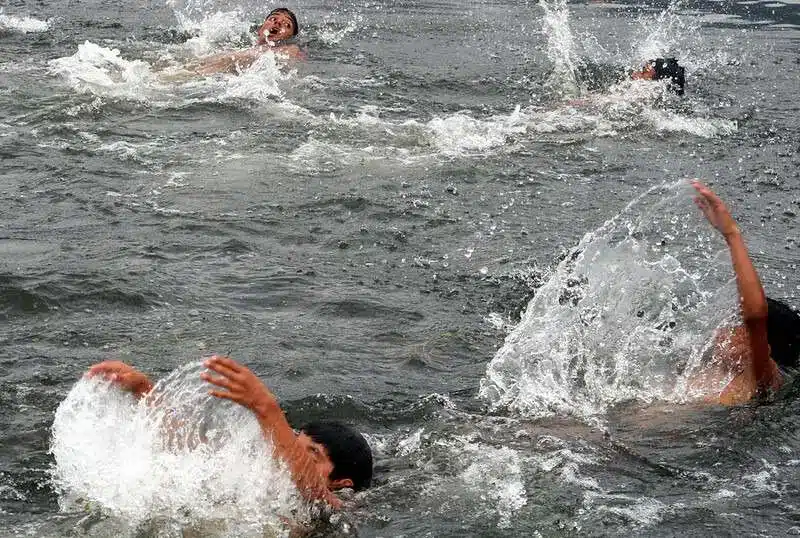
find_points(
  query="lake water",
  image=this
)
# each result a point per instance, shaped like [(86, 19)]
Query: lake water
[(365, 230)]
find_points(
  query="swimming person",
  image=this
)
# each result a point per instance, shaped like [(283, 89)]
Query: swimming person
[(322, 457), (275, 34), (769, 339), (664, 69)]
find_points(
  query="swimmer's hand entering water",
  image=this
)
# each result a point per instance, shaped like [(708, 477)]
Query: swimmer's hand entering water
[(239, 384), (122, 375)]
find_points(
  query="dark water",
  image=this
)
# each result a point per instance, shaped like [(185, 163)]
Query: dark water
[(347, 225)]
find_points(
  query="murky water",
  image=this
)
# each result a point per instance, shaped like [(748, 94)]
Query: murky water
[(455, 225)]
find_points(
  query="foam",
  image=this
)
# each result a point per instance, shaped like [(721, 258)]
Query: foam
[(24, 25)]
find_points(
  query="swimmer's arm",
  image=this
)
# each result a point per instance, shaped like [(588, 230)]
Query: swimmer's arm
[(752, 299), (124, 376), (242, 386), (292, 51), (226, 62)]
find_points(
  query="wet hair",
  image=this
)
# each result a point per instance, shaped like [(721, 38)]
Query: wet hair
[(783, 333), (668, 68), (291, 15), (347, 449)]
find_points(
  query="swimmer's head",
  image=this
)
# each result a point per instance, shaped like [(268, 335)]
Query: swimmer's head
[(341, 453), (280, 24), (783, 333), (664, 68)]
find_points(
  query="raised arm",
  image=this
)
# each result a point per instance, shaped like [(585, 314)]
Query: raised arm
[(242, 386), (751, 294)]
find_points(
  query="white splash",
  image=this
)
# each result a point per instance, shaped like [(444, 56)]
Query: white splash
[(561, 49), (25, 25), (460, 134), (180, 456), (213, 30), (102, 71), (628, 311), (496, 476)]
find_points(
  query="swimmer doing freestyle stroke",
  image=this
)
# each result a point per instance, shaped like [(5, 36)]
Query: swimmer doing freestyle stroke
[(751, 356), (323, 457)]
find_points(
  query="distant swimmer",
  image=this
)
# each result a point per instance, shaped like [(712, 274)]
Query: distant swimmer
[(322, 457), (752, 355), (664, 69), (275, 35)]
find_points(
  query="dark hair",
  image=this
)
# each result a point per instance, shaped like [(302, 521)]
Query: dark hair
[(347, 449), (783, 333), (668, 68), (291, 15)]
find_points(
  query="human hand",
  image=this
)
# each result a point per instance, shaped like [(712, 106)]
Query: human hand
[(715, 210), (241, 385), (122, 375)]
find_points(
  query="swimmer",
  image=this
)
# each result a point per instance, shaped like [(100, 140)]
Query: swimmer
[(663, 69), (750, 355), (323, 457), (275, 34)]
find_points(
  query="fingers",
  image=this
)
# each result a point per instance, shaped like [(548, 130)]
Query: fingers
[(223, 382), (107, 367), (706, 193), (224, 366), (223, 395)]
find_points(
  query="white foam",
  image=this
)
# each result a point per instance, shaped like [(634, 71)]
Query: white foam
[(23, 25), (102, 71), (182, 457), (460, 134), (496, 475)]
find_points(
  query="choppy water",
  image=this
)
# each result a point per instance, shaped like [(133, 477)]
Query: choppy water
[(366, 229)]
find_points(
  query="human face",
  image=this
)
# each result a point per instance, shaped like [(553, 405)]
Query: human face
[(322, 462), (648, 73), (276, 27), (318, 453)]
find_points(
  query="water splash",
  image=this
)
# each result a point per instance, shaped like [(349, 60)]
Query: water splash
[(102, 71), (180, 456), (23, 25), (561, 48), (624, 316)]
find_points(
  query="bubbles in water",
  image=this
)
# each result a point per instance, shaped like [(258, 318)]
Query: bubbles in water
[(178, 456), (623, 317)]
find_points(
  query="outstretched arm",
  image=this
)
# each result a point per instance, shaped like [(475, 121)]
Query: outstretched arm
[(229, 62), (751, 294), (239, 384), (123, 375)]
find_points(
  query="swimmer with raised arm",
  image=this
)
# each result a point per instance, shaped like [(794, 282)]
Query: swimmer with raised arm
[(275, 34), (323, 457), (752, 353)]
